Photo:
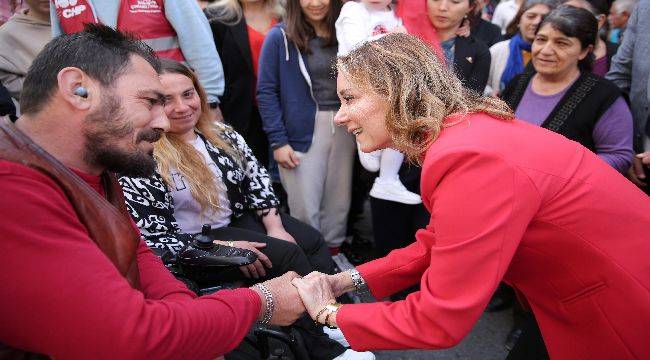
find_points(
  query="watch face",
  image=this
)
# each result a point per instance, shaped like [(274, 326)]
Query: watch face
[(333, 307)]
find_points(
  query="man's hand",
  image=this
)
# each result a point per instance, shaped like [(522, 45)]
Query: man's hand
[(286, 157), (315, 291), (645, 157), (287, 304), (636, 172), (255, 270)]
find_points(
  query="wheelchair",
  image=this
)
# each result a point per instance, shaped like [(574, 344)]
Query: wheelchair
[(200, 257)]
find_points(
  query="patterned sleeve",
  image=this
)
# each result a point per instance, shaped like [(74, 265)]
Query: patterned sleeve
[(257, 187), (150, 204)]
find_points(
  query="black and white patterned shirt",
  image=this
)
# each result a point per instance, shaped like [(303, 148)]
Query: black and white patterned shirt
[(150, 203)]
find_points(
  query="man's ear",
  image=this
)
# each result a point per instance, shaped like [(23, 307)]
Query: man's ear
[(75, 88)]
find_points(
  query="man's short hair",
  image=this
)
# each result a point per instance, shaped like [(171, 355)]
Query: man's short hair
[(99, 51), (624, 6)]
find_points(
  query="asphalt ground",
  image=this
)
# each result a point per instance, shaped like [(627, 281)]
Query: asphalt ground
[(484, 342)]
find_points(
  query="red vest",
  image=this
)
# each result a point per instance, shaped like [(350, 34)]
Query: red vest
[(144, 18)]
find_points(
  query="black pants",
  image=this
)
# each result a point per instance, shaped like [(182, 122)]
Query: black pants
[(394, 224), (310, 254)]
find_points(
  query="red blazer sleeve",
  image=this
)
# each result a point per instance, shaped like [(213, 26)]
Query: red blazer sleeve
[(480, 208), (62, 297)]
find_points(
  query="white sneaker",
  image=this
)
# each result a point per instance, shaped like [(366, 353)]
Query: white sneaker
[(336, 335), (394, 191), (370, 161), (350, 354)]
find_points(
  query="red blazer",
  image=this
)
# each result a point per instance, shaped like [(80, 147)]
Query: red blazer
[(511, 201)]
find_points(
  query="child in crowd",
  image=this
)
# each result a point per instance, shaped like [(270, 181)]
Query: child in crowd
[(358, 23)]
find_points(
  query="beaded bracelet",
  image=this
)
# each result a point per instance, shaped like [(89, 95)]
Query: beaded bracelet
[(268, 309)]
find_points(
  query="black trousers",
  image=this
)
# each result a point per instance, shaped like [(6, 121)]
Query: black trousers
[(394, 224), (311, 254)]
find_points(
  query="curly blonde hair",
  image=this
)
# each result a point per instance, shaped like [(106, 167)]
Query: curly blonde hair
[(419, 89)]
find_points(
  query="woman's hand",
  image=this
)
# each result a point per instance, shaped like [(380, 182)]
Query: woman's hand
[(464, 30), (280, 233), (636, 172), (255, 270), (340, 283), (315, 291), (273, 225), (286, 157)]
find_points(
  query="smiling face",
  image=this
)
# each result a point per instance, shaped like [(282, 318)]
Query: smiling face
[(447, 14), (556, 54), (531, 19), (363, 113), (182, 104), (315, 11), (121, 130)]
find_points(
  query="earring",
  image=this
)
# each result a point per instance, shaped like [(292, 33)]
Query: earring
[(81, 91)]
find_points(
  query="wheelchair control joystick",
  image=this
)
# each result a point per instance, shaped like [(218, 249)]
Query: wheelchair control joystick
[(203, 240)]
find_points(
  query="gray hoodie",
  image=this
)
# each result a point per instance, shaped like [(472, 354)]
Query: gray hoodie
[(21, 39)]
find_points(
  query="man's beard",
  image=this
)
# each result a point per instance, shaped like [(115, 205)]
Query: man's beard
[(104, 128)]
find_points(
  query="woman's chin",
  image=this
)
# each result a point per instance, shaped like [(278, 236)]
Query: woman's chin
[(368, 148)]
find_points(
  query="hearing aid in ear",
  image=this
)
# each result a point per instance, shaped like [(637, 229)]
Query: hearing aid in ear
[(81, 91)]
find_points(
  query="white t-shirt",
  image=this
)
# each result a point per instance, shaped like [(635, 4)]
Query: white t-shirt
[(187, 210), (357, 24), (504, 13)]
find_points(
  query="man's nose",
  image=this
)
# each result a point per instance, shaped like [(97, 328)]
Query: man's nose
[(160, 119)]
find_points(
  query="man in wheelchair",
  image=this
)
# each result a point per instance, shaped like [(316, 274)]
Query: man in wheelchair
[(78, 281)]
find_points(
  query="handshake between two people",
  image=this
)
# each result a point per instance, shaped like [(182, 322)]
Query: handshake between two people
[(292, 295)]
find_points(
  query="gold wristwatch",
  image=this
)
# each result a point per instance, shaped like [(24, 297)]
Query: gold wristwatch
[(331, 310)]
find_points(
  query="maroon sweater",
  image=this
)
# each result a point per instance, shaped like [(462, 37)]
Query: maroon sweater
[(61, 296)]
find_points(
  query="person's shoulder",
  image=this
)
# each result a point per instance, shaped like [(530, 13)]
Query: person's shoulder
[(500, 46), (276, 32), (10, 168), (478, 45), (13, 174), (605, 85), (468, 134), (218, 19), (490, 28)]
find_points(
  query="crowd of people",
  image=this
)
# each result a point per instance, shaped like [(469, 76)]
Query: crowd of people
[(273, 122)]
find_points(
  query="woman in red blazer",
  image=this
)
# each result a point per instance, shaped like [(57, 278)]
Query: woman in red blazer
[(508, 201)]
